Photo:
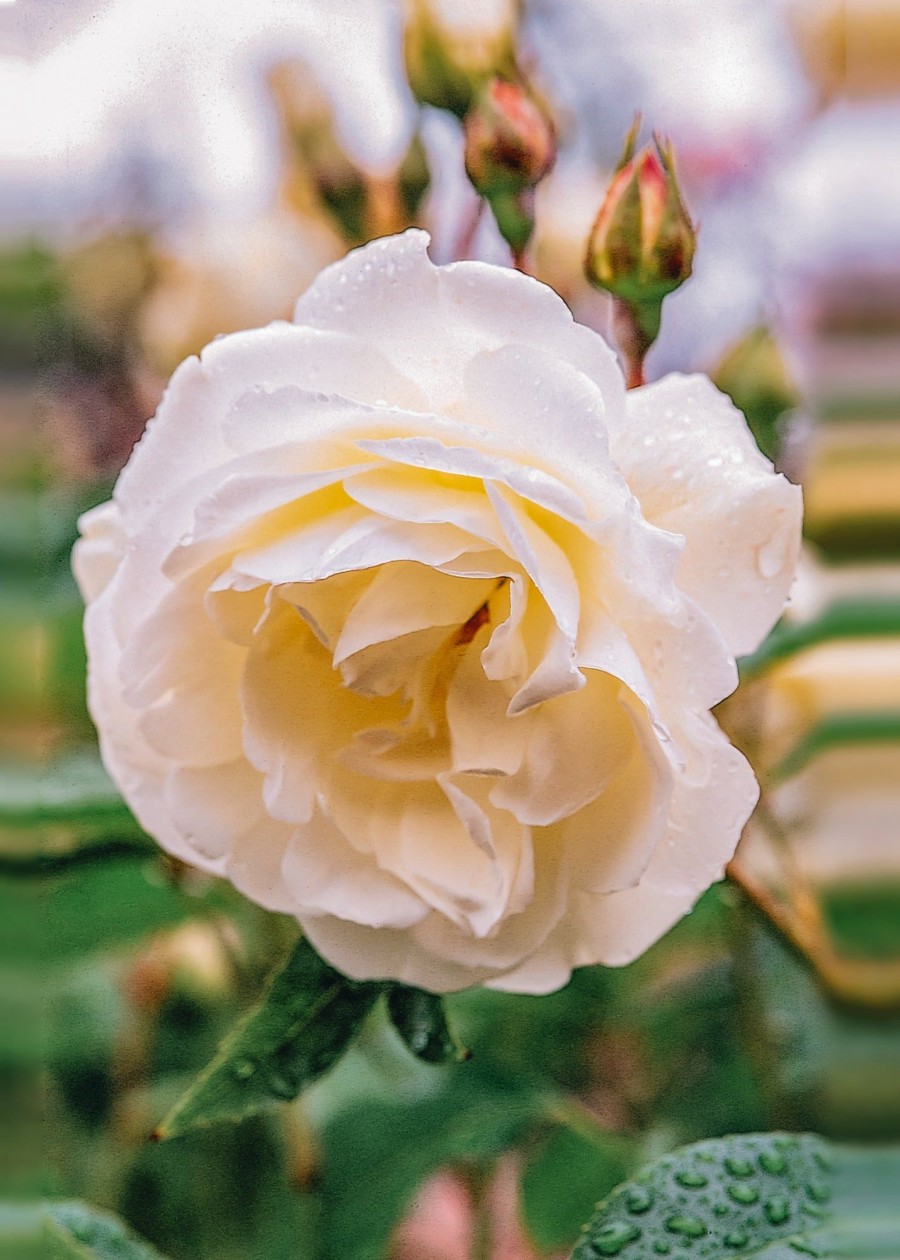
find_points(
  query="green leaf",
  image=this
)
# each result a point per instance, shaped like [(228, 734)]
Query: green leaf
[(74, 1231), (395, 1146), (837, 730), (75, 788), (864, 917), (297, 1031), (721, 1198), (67, 812), (563, 1180), (59, 917), (844, 619), (421, 1020)]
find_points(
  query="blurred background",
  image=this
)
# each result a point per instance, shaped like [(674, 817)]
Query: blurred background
[(176, 171)]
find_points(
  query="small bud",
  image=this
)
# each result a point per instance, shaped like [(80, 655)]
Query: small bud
[(452, 48), (642, 244), (754, 373), (510, 142)]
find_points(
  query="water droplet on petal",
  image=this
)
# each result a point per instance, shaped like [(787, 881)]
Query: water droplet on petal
[(735, 1239), (770, 557), (639, 1199)]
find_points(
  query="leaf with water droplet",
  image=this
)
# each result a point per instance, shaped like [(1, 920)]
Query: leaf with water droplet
[(714, 1199), (68, 1230), (421, 1020), (300, 1027)]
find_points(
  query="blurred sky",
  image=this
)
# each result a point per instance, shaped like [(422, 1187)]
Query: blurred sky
[(168, 99), (179, 81)]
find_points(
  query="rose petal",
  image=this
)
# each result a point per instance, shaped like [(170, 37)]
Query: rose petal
[(691, 460)]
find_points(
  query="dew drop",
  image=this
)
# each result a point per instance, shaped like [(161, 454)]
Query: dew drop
[(639, 1199), (281, 1087), (661, 1247), (686, 1226), (691, 1180), (770, 557), (773, 1162), (735, 1239), (743, 1194), (818, 1192), (243, 1069), (609, 1239), (739, 1167), (721, 1209), (777, 1210)]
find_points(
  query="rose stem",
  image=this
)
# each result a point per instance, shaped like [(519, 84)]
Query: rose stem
[(466, 241), (875, 986)]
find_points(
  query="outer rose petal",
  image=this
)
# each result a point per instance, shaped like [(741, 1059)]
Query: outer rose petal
[(693, 464), (399, 623)]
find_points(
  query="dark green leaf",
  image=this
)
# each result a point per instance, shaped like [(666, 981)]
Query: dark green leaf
[(298, 1030), (421, 1020), (565, 1176), (396, 1146), (74, 1231), (864, 917), (54, 918)]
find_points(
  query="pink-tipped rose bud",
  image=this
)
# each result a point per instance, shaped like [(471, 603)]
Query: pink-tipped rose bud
[(642, 243), (510, 141)]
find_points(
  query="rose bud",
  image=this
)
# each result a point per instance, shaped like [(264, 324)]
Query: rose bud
[(642, 244), (452, 48), (510, 143)]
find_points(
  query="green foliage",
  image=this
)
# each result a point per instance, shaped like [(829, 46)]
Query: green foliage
[(74, 1231), (54, 814), (566, 1173), (838, 730), (61, 916), (298, 1030), (421, 1020), (394, 1146), (874, 617)]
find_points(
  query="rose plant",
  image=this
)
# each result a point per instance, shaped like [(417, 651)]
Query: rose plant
[(407, 619)]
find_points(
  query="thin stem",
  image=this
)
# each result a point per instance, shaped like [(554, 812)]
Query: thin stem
[(384, 206), (875, 986), (478, 1181), (633, 340), (466, 243), (518, 256)]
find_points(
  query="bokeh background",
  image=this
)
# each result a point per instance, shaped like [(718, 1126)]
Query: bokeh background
[(176, 171)]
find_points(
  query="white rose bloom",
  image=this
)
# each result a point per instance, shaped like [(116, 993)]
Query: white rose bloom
[(406, 619)]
